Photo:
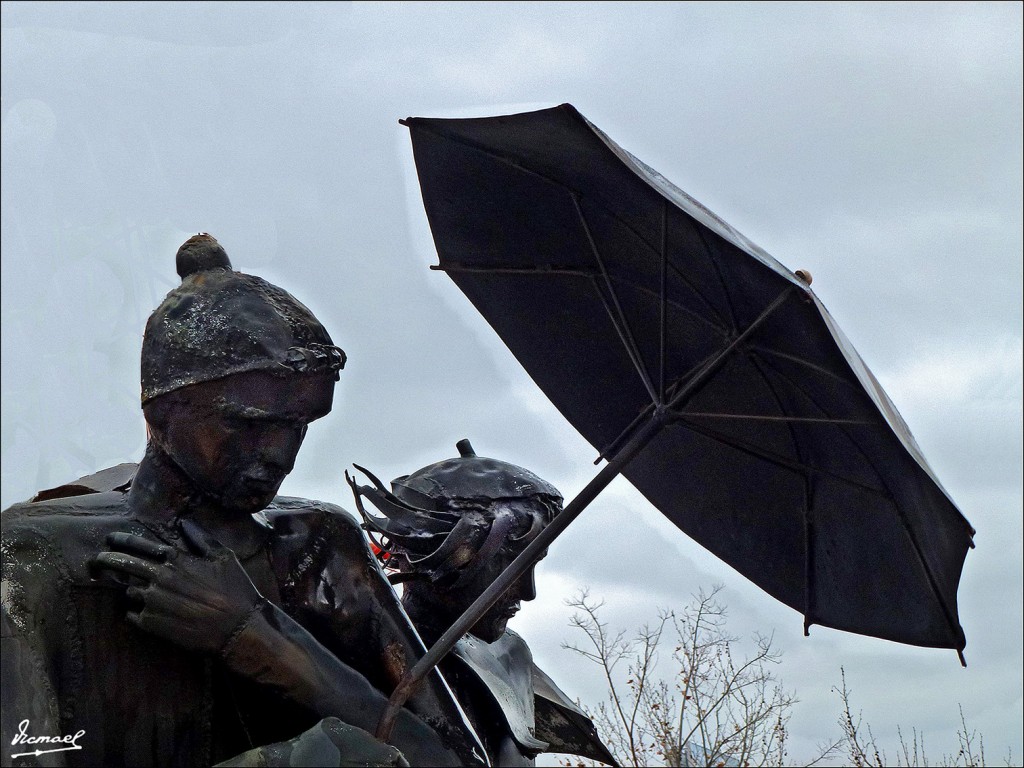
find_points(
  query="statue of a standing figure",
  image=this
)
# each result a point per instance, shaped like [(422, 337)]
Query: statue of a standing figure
[(448, 530), (184, 615)]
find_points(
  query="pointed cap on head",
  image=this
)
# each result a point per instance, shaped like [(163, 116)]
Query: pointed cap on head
[(219, 322)]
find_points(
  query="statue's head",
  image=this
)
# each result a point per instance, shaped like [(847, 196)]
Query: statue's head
[(233, 370), (451, 528)]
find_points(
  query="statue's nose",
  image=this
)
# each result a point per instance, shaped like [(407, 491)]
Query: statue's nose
[(281, 446), (527, 586)]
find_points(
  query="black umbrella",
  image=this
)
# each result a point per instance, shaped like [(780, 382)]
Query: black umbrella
[(699, 367)]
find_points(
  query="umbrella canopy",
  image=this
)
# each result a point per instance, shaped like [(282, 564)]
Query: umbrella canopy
[(650, 322)]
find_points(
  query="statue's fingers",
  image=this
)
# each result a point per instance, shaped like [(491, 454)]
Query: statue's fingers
[(152, 622), (201, 541), (136, 545), (127, 564)]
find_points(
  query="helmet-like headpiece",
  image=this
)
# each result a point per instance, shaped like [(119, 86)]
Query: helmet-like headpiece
[(219, 322), (453, 516)]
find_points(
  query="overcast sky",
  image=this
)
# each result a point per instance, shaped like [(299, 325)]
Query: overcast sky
[(877, 145)]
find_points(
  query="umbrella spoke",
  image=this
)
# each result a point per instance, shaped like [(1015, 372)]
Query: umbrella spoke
[(804, 363), (774, 458), (685, 389), (714, 264), (686, 385), (789, 419), (809, 602), (618, 317), (813, 401), (932, 582), (609, 450), (808, 499), (512, 163), (454, 268)]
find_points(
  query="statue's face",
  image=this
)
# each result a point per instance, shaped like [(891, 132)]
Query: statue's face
[(452, 602), (493, 624), (237, 438)]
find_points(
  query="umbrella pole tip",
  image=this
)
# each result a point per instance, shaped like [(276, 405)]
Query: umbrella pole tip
[(465, 448)]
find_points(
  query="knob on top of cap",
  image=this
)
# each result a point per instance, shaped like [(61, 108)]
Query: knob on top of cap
[(200, 253)]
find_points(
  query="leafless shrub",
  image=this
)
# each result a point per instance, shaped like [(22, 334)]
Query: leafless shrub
[(711, 708)]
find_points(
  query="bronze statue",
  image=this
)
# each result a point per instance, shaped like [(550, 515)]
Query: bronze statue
[(447, 531), (184, 615)]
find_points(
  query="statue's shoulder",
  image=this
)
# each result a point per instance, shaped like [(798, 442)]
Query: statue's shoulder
[(68, 514), (512, 640), (71, 510), (292, 510), (52, 541), (563, 724), (116, 478), (503, 669), (304, 521)]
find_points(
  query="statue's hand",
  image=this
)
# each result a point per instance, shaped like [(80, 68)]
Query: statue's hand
[(197, 602)]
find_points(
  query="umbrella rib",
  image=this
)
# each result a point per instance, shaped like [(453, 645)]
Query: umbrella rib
[(947, 613), (804, 363), (772, 457), (809, 602), (686, 385), (457, 268), (714, 263), (496, 270), (684, 390), (788, 419), (823, 411), (618, 317), (671, 391), (627, 342), (675, 269), (722, 331), (574, 193)]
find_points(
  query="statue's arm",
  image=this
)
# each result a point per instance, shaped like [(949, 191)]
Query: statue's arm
[(274, 650), (207, 603), (370, 606), (28, 691)]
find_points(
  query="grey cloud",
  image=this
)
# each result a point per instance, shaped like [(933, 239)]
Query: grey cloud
[(879, 146)]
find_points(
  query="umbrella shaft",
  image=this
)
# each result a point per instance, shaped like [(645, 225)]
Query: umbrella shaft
[(526, 559)]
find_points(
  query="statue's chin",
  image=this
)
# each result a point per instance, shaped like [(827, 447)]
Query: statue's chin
[(491, 630), (247, 499)]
